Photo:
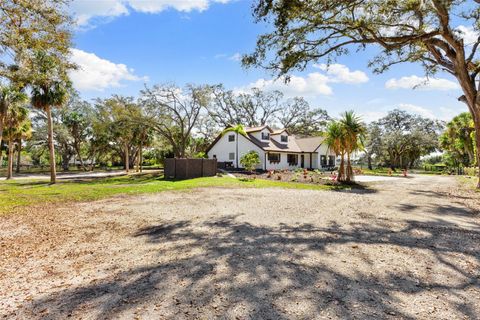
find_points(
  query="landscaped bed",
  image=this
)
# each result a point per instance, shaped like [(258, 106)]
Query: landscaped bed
[(300, 175)]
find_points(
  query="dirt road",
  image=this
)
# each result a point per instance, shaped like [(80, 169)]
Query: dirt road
[(408, 249)]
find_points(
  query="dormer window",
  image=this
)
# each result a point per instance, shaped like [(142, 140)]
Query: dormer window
[(284, 139), (265, 136)]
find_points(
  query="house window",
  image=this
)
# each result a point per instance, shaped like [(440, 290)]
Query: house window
[(265, 136), (331, 161), (231, 138), (284, 139), (292, 159), (274, 157), (231, 156), (323, 161)]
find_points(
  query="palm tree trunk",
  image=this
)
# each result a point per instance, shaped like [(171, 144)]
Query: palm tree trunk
[(349, 168), (10, 160), (236, 151), (141, 157), (2, 123), (19, 154), (341, 169), (53, 169), (137, 161), (127, 160)]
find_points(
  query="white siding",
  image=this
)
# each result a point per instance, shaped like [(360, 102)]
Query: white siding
[(223, 148), (258, 134), (323, 150), (283, 164), (316, 161), (278, 138)]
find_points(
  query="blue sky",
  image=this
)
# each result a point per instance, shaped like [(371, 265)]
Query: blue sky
[(122, 44)]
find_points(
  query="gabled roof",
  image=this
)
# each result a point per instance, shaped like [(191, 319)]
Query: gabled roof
[(310, 144), (256, 129), (294, 145), (272, 145), (275, 132)]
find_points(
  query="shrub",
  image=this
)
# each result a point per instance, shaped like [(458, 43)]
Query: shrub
[(250, 160)]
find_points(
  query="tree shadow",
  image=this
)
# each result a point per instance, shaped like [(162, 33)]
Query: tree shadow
[(227, 268), (438, 194)]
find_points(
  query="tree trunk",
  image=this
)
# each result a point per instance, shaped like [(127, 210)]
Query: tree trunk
[(2, 123), (369, 161), (19, 154), (127, 160), (137, 161), (477, 143), (66, 161), (412, 163), (10, 160), (77, 151), (341, 169), (349, 168), (141, 157), (236, 151), (53, 169)]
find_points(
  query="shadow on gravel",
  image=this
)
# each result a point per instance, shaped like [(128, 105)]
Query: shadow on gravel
[(223, 264)]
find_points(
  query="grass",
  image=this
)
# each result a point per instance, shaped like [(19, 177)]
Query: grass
[(470, 183), (17, 194), (382, 172), (397, 173)]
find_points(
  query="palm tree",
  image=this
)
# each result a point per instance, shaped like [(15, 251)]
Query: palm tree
[(9, 95), (24, 133), (335, 140), (16, 120), (354, 132), (49, 89), (238, 129)]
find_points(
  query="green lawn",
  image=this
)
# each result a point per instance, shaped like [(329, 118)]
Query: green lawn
[(397, 173), (470, 183), (16, 194)]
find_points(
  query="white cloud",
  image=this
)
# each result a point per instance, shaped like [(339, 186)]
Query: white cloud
[(424, 112), (312, 84), (469, 35), (423, 83), (235, 57), (369, 116), (95, 73), (86, 11), (341, 73), (441, 113)]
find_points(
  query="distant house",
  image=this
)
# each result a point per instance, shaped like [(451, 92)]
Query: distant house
[(277, 149)]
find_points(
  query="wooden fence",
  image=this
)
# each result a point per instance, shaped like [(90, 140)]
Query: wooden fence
[(189, 168)]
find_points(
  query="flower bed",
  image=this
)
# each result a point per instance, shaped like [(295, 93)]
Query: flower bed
[(299, 175)]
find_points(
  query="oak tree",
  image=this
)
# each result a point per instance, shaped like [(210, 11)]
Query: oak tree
[(424, 32)]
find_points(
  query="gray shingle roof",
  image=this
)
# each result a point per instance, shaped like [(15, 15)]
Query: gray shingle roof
[(296, 145)]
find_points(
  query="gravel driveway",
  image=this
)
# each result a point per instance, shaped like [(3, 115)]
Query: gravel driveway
[(403, 250)]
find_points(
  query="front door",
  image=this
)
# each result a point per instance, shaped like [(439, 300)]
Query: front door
[(302, 161)]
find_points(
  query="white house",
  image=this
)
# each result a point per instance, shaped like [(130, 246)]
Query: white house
[(277, 149)]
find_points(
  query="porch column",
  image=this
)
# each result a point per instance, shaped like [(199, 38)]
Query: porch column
[(311, 159)]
